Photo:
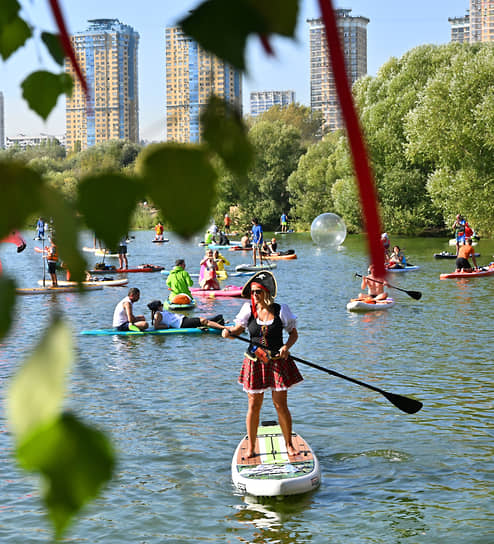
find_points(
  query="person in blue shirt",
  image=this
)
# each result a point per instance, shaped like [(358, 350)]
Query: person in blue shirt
[(40, 229), (256, 239), (283, 222)]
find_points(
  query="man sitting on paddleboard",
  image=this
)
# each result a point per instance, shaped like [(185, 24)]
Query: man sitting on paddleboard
[(161, 319), (465, 251), (375, 286), (123, 316)]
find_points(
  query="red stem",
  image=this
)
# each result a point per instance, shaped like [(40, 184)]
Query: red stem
[(66, 43), (368, 194)]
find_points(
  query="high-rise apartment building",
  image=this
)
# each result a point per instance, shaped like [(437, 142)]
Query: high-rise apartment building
[(353, 37), (192, 75), (460, 29), (107, 55), (478, 23), (261, 101), (2, 123)]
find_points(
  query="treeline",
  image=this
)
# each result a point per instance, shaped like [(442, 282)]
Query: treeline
[(428, 119)]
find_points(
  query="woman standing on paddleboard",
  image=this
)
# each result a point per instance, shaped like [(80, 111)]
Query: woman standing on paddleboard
[(269, 367)]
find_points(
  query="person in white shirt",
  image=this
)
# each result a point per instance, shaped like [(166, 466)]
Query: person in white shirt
[(123, 316)]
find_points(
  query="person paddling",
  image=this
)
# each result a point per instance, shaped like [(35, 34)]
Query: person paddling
[(375, 286), (464, 252), (269, 367)]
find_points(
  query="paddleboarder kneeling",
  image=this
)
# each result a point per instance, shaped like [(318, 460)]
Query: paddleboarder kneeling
[(267, 364), (123, 316)]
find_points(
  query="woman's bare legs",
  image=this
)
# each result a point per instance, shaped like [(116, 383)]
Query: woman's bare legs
[(252, 420), (284, 418)]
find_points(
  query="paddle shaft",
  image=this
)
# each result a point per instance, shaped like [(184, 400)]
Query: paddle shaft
[(410, 406), (414, 294)]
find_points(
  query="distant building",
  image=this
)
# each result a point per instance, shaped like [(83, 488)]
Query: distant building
[(261, 101), (478, 23), (460, 29), (22, 141), (107, 55), (2, 122), (353, 37), (192, 75)]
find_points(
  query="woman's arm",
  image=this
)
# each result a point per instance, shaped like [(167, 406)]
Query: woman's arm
[(232, 331), (285, 349)]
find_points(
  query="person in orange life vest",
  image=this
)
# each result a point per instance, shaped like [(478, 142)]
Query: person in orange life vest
[(52, 259), (227, 222), (269, 367)]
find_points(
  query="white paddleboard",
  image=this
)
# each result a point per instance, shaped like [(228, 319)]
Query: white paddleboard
[(272, 471), (363, 306)]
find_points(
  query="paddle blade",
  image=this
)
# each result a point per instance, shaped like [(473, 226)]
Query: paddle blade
[(405, 404), (417, 295)]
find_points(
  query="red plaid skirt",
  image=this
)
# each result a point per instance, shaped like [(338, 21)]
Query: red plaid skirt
[(277, 374)]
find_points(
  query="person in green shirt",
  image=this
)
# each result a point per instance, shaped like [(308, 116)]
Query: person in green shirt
[(179, 281)]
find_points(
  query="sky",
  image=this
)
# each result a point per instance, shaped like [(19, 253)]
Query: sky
[(394, 28)]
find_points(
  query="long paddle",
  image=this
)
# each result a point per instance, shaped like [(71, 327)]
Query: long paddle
[(405, 404), (417, 295)]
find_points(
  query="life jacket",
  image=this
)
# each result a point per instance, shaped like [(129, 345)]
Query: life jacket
[(52, 254)]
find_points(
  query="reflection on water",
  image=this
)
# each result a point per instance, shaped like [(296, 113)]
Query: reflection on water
[(268, 515), (175, 413)]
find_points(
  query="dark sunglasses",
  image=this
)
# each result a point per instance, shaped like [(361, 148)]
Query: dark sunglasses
[(256, 292)]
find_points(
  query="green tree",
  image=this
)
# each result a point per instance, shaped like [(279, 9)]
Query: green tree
[(308, 122)]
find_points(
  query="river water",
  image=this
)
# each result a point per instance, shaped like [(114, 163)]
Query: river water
[(175, 413)]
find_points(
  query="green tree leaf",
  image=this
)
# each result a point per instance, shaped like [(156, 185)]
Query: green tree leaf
[(75, 462), (36, 394), (52, 42), (109, 223), (66, 231), (225, 133), (7, 303), (20, 188), (14, 31), (181, 181), (10, 10), (222, 28), (41, 90), (280, 16)]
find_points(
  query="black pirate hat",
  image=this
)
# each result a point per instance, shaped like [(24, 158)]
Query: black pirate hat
[(264, 278)]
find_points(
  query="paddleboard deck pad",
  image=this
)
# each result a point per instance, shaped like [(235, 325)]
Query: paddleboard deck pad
[(112, 332), (272, 472)]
